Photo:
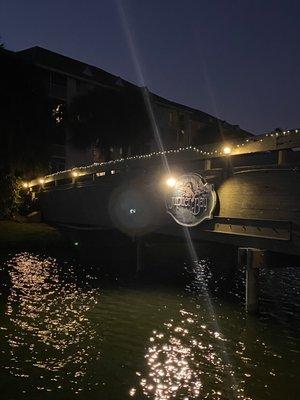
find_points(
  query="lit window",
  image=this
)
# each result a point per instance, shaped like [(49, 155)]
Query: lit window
[(57, 113)]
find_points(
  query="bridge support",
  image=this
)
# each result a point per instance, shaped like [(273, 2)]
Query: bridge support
[(207, 164), (139, 254), (253, 259), (282, 157)]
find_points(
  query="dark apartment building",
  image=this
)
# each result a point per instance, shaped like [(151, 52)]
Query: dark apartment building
[(66, 78)]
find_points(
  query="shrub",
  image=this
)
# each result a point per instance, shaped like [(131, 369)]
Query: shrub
[(10, 194)]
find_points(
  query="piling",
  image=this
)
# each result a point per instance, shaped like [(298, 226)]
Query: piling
[(253, 259), (139, 253)]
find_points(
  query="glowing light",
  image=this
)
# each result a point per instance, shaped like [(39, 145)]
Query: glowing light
[(171, 182), (25, 185), (41, 181), (132, 211), (74, 174), (226, 150)]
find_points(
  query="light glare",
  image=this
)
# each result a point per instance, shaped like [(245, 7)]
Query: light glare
[(171, 182), (226, 150)]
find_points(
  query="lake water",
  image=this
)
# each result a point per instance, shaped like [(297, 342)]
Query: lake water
[(69, 332)]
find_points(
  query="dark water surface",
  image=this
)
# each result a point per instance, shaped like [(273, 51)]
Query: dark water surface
[(66, 332)]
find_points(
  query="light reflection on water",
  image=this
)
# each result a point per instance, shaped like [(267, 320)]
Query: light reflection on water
[(188, 360), (184, 365), (61, 334), (47, 325)]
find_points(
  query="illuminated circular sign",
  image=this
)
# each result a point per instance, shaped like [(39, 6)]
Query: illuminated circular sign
[(191, 200)]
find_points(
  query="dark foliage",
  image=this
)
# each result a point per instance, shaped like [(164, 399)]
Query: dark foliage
[(25, 123), (11, 194)]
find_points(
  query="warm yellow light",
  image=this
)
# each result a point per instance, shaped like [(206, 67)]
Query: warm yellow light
[(25, 185), (226, 150), (74, 174), (171, 182), (41, 181)]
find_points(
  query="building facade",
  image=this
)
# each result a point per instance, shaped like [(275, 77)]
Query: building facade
[(66, 78)]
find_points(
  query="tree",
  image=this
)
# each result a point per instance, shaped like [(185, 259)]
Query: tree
[(11, 195), (25, 128), (110, 117), (25, 123)]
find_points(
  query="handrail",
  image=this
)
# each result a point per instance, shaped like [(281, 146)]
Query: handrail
[(275, 141)]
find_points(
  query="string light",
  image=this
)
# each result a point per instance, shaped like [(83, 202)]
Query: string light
[(221, 151)]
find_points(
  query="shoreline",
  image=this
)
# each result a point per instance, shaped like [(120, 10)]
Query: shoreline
[(29, 235)]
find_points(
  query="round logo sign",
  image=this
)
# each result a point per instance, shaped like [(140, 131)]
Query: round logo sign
[(191, 200)]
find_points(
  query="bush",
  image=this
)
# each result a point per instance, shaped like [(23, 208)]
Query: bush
[(10, 194)]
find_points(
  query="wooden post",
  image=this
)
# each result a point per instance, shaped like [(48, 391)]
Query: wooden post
[(254, 259), (207, 164), (139, 245), (228, 168), (282, 157)]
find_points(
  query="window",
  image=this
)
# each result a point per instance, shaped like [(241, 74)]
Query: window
[(58, 113), (59, 79), (58, 86), (78, 85)]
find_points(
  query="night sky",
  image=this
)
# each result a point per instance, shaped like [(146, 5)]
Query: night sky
[(238, 60)]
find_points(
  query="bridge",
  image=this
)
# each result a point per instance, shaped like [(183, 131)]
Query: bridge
[(248, 195)]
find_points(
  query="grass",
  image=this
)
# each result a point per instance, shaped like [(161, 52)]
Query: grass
[(28, 235)]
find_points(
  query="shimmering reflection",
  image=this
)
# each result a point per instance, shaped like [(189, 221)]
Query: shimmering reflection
[(197, 355), (183, 364), (48, 325), (157, 342)]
